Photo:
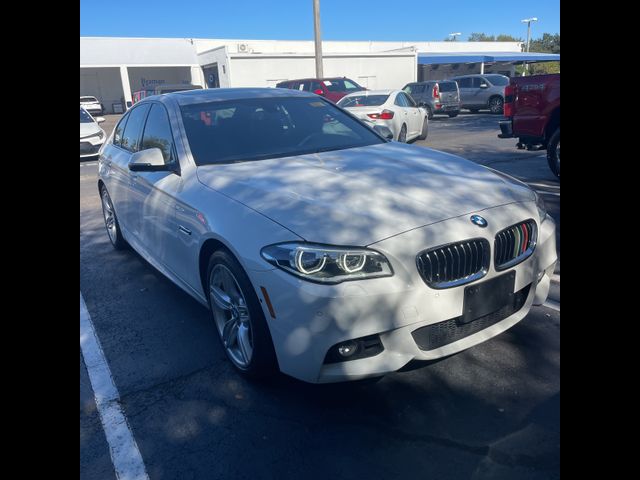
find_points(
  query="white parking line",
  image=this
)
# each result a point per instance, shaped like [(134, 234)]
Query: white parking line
[(552, 304), (88, 164), (125, 456)]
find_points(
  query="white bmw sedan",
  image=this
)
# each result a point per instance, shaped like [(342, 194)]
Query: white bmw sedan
[(321, 249), (393, 109)]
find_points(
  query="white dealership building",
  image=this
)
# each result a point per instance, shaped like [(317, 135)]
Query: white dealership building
[(112, 68)]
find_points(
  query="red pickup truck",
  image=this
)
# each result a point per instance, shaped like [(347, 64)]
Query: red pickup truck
[(532, 109)]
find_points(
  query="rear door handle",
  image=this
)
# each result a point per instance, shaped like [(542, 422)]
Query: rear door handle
[(184, 230)]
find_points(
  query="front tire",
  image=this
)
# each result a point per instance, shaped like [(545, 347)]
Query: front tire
[(553, 153), (402, 136), (111, 220), (238, 317), (425, 129), (429, 112)]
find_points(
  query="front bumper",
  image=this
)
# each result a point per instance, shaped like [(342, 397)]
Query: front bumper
[(90, 146), (311, 318)]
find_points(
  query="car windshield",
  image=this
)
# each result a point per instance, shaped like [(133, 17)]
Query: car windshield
[(498, 80), (341, 85), (85, 117), (269, 127), (88, 99), (362, 101)]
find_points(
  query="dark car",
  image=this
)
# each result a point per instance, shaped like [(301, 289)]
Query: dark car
[(330, 88), (437, 96)]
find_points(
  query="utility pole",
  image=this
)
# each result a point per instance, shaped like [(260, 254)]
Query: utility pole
[(318, 40), (528, 22)]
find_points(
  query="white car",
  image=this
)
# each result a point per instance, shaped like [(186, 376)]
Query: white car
[(92, 105), (91, 135), (322, 249), (393, 109)]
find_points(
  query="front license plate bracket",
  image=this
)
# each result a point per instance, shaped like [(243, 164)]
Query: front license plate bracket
[(487, 297)]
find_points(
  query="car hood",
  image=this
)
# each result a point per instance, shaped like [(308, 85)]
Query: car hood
[(87, 129), (362, 195)]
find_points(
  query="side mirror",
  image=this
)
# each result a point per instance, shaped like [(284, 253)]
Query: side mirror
[(149, 160), (100, 120), (484, 85), (384, 131), (318, 91)]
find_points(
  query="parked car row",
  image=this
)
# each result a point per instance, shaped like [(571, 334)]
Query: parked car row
[(92, 136)]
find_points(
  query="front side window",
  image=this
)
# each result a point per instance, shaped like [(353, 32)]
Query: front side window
[(464, 83), (157, 132), (498, 80), (85, 117), (476, 82), (278, 126), (133, 128)]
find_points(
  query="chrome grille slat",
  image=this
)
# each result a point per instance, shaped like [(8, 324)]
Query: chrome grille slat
[(455, 263), (514, 244)]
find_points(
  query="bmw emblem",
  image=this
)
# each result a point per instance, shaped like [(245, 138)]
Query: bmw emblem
[(478, 220)]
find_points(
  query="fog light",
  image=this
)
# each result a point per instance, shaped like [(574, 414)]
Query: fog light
[(348, 349)]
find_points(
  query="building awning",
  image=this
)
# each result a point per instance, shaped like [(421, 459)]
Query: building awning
[(486, 57)]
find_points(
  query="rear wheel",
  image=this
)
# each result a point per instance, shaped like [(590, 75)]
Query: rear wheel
[(496, 105), (553, 153), (425, 129), (238, 317), (402, 136)]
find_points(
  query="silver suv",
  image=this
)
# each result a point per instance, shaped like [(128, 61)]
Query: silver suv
[(482, 91), (437, 96)]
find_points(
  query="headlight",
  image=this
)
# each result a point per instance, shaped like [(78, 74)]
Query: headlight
[(542, 210), (324, 264), (99, 135)]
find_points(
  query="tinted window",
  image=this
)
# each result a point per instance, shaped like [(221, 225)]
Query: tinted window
[(408, 100), (85, 117), (476, 81), (413, 89), (279, 127), (400, 100), (133, 128), (316, 86), (117, 135), (498, 80), (447, 86), (157, 132), (362, 100), (464, 82)]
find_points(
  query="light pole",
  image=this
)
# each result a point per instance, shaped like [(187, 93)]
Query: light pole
[(454, 35), (528, 22), (318, 41)]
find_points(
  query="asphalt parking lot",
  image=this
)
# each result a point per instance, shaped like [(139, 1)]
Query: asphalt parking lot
[(490, 412)]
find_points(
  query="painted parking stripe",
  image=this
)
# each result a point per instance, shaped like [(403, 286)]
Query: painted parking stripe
[(125, 456)]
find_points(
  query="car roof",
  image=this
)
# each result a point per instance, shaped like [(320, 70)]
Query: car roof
[(432, 81), (189, 97), (314, 79)]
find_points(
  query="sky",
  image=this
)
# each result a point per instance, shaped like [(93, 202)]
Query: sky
[(416, 20)]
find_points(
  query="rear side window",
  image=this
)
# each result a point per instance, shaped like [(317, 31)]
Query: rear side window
[(133, 128), (408, 100), (414, 89), (157, 132), (400, 100), (447, 86)]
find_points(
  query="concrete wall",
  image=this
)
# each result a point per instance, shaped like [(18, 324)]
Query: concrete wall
[(142, 77), (103, 83), (371, 71), (217, 57)]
